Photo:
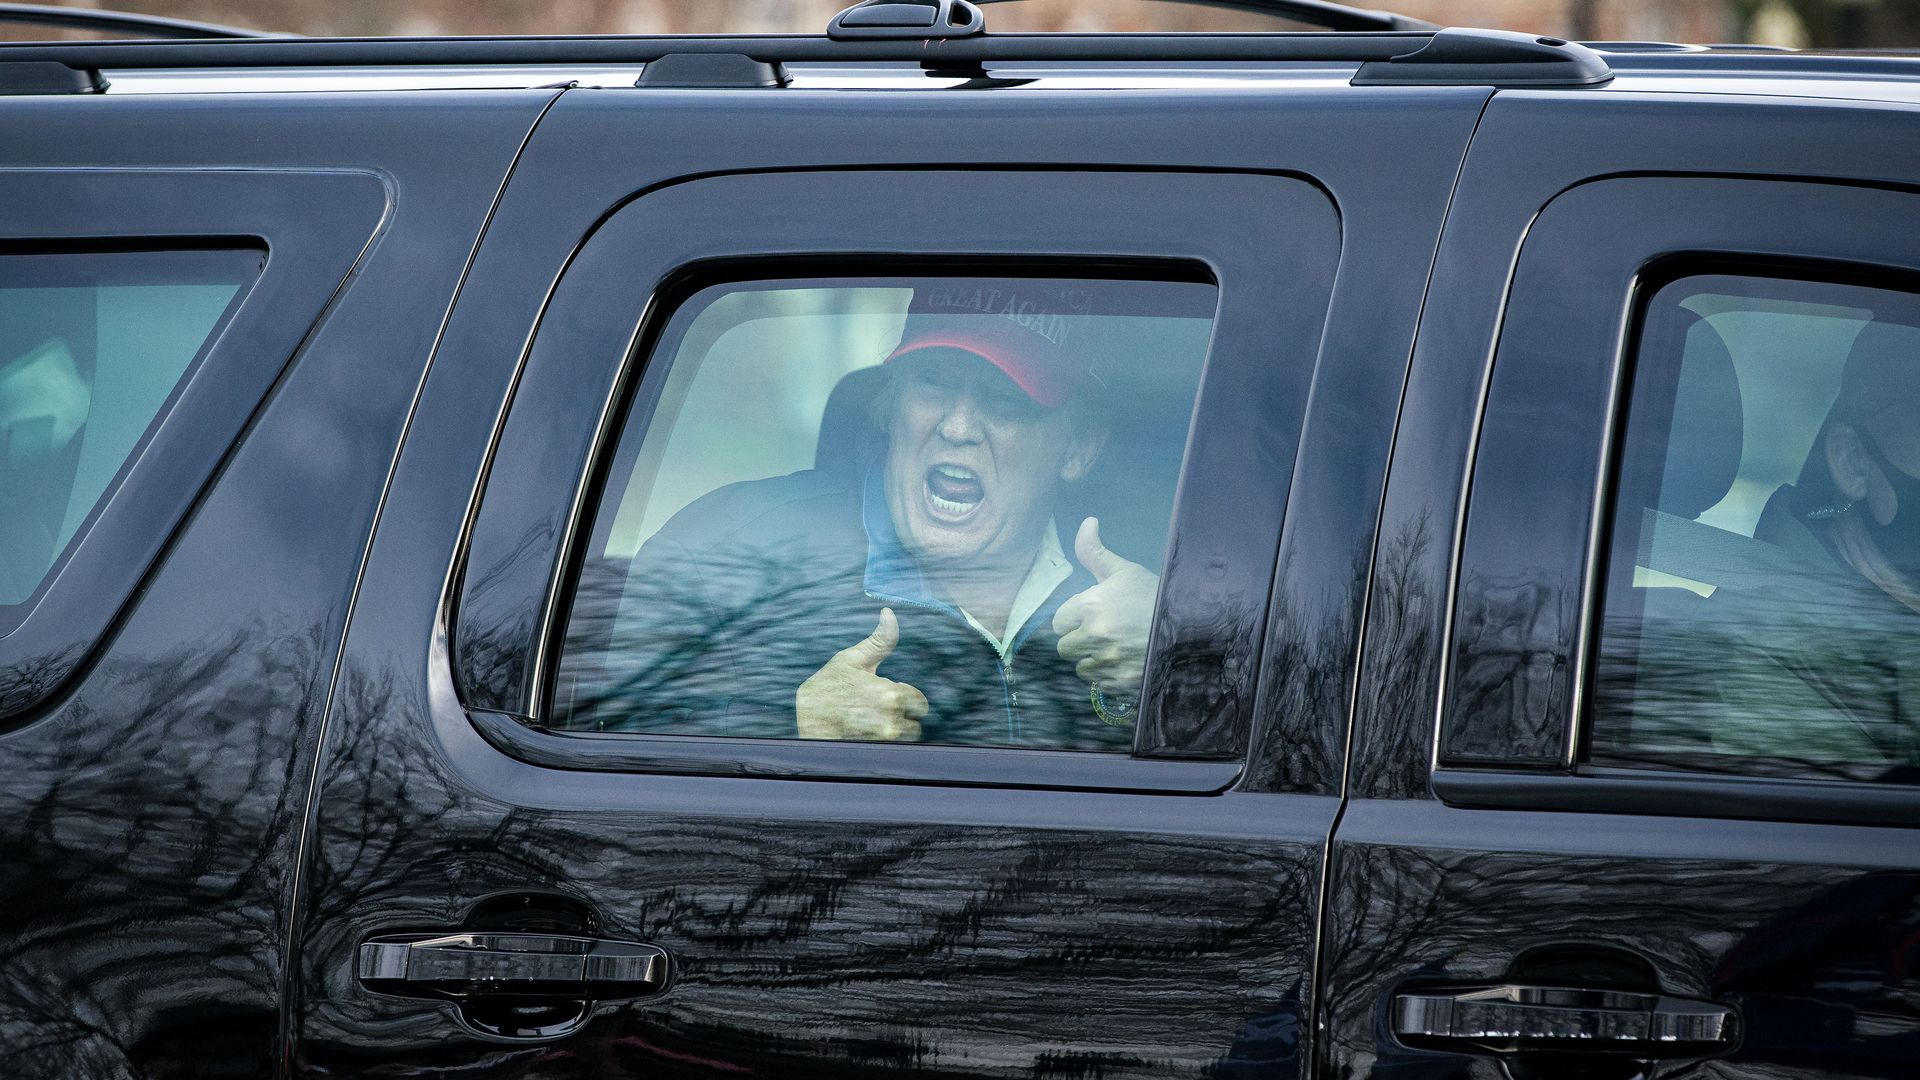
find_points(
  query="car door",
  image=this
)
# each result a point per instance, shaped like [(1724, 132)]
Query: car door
[(671, 318), (1632, 782), (204, 371)]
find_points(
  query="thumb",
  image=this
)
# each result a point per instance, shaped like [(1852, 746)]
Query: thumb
[(1093, 555), (871, 650)]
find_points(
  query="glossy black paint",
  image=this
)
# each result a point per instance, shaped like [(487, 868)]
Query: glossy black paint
[(151, 811), (1565, 347), (310, 253), (847, 929), (163, 915), (994, 767), (1531, 147), (1563, 206), (1809, 930), (1320, 587), (1680, 794)]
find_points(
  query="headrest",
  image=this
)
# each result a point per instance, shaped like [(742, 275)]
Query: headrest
[(1882, 375), (1703, 448), (848, 438)]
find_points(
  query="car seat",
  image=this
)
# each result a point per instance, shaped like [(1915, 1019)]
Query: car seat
[(1659, 642)]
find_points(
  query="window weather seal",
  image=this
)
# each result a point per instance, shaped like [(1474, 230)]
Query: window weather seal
[(1595, 789), (804, 759)]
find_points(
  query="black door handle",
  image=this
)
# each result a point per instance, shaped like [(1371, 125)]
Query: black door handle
[(471, 964), (1512, 1018)]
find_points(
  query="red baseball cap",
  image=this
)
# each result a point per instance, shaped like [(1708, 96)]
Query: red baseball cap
[(1036, 332)]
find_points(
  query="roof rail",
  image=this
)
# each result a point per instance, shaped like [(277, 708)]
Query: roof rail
[(1408, 58), (945, 20), (1321, 13), (982, 48), (143, 26)]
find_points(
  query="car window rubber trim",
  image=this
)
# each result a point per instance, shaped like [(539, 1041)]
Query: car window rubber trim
[(1677, 794), (800, 759)]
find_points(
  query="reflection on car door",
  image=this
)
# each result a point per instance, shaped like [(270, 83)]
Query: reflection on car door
[(847, 909), (1505, 877)]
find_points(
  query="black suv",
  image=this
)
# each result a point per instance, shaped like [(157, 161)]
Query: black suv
[(918, 552)]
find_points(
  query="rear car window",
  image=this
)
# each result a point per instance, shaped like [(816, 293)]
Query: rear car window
[(1762, 595), (93, 347), (926, 509)]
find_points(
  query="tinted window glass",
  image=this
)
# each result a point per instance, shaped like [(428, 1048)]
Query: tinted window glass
[(905, 509), (1762, 602), (92, 348)]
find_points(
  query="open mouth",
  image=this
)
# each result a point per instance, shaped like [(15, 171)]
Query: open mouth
[(954, 492)]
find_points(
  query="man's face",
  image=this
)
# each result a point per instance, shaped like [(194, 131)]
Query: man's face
[(973, 462)]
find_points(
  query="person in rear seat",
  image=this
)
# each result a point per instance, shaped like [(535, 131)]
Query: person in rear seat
[(1827, 667), (930, 596)]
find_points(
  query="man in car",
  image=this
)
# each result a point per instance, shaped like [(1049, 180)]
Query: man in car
[(929, 595), (1822, 664)]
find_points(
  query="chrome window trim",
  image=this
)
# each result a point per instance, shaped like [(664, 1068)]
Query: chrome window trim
[(806, 76), (129, 81)]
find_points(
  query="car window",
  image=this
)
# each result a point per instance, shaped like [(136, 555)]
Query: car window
[(917, 509), (1762, 595), (93, 345)]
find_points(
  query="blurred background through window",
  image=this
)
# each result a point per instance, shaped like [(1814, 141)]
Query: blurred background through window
[(1793, 23)]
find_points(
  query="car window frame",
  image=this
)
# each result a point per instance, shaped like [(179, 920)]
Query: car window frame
[(12, 615), (1780, 281), (861, 223), (304, 259), (1696, 224)]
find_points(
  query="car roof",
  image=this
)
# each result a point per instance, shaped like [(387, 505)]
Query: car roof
[(1856, 77), (1389, 50)]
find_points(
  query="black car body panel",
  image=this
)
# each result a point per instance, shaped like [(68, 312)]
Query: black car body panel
[(157, 800), (1554, 232), (286, 708), (899, 884)]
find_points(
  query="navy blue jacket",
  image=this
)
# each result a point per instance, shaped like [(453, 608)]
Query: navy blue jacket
[(748, 591)]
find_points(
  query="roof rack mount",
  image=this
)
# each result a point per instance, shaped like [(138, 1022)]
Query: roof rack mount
[(946, 19), (1444, 57), (1489, 58), (1321, 13)]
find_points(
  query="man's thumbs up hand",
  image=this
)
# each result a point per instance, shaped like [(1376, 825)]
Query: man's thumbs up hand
[(868, 653), (1093, 554), (848, 699), (1103, 631)]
